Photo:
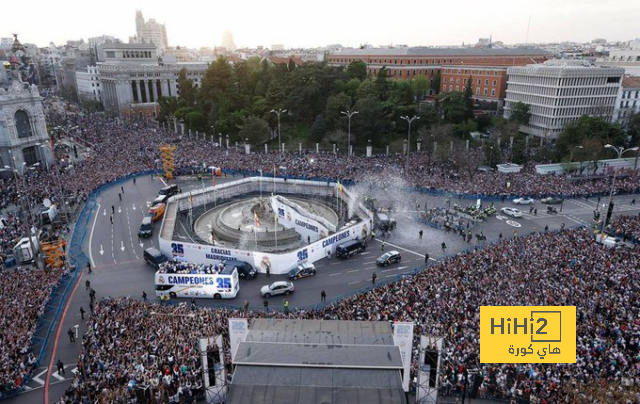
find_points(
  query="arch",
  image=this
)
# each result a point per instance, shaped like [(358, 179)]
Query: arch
[(23, 124)]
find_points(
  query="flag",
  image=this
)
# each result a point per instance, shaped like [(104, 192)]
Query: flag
[(275, 219), (213, 172), (257, 219), (190, 200), (340, 187)]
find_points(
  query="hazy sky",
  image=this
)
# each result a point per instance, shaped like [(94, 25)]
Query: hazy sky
[(295, 23)]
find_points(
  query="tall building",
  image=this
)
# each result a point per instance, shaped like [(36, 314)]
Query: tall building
[(150, 31), (24, 140), (227, 41), (485, 67), (88, 84), (628, 101), (629, 59), (133, 80), (561, 91)]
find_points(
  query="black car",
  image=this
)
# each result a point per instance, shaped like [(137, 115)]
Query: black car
[(388, 258), (350, 248), (245, 270), (170, 190)]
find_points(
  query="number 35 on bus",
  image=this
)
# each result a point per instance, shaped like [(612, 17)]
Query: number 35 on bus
[(214, 286)]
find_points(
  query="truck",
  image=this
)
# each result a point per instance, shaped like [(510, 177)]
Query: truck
[(24, 250)]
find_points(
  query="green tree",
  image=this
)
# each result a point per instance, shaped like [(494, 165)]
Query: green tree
[(168, 106), (372, 121), (319, 129), (186, 89), (468, 96), (357, 70), (520, 113), (454, 106), (420, 86), (435, 83), (633, 129), (588, 127), (367, 89), (255, 129), (382, 84), (334, 106)]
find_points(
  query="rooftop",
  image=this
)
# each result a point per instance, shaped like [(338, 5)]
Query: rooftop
[(631, 82), (424, 51)]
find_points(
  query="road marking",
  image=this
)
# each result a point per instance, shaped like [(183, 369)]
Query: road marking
[(134, 206), (337, 273), (93, 264), (387, 270), (353, 270), (354, 283), (57, 376), (101, 250), (163, 181), (389, 276), (104, 212), (374, 267), (365, 253), (37, 378), (400, 248), (336, 263), (371, 262)]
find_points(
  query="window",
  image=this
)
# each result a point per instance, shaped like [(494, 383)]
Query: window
[(495, 82), (457, 88), (479, 81), (477, 90), (493, 93), (23, 124), (485, 91), (30, 155), (486, 82)]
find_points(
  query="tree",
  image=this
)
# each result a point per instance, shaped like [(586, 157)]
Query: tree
[(168, 106), (318, 129), (454, 106), (357, 70), (255, 129), (435, 83), (588, 127), (334, 105), (420, 86), (382, 84), (339, 137), (520, 113), (186, 89), (468, 96), (367, 89), (633, 129), (373, 120)]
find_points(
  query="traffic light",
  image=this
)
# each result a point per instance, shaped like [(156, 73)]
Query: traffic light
[(609, 213)]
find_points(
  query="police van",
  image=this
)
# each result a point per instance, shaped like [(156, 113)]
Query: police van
[(223, 285), (346, 250)]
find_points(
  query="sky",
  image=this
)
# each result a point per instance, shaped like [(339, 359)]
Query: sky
[(296, 23)]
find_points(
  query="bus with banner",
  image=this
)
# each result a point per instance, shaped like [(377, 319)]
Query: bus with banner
[(223, 285)]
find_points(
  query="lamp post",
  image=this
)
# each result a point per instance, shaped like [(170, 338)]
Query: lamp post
[(349, 114), (409, 120), (278, 112), (620, 150), (227, 137), (572, 150)]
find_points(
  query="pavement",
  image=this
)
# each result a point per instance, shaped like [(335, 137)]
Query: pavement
[(116, 254)]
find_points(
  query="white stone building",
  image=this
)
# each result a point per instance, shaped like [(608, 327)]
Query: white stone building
[(629, 59), (88, 84), (133, 78), (559, 92), (628, 101), (150, 31), (24, 140)]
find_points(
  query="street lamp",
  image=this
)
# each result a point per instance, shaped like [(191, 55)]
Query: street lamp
[(409, 120), (349, 114), (572, 150), (620, 150), (278, 112)]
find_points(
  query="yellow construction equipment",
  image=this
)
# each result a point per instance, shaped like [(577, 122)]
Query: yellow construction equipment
[(53, 253), (168, 160)]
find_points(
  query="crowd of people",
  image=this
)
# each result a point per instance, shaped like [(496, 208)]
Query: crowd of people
[(137, 343), (23, 297), (626, 227), (183, 267), (565, 268)]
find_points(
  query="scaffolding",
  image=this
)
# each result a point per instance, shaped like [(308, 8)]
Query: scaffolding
[(168, 160), (53, 253)]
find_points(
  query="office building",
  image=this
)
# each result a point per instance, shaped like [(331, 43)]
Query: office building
[(561, 91)]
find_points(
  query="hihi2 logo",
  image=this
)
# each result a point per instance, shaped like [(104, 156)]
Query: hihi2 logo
[(527, 334)]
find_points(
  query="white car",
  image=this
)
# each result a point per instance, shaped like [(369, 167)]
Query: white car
[(513, 212), (523, 201)]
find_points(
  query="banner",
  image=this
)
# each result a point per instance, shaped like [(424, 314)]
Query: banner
[(238, 331), (403, 339)]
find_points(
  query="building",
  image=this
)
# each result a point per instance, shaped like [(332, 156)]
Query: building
[(628, 101), (227, 41), (629, 59), (485, 67), (24, 140), (88, 84), (561, 91), (150, 31), (133, 78), (316, 361)]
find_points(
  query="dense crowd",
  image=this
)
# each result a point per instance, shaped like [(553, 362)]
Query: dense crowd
[(626, 227), (23, 297), (173, 267), (134, 343)]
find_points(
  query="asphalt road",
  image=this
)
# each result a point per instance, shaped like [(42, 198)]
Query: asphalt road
[(119, 269)]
